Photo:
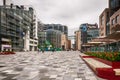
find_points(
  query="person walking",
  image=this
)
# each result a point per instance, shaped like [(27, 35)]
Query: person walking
[(42, 50), (38, 51), (53, 50)]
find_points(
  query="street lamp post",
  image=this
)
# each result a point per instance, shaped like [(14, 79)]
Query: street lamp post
[(0, 40), (0, 37)]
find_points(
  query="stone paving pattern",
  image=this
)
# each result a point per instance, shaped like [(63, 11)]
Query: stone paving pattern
[(63, 65)]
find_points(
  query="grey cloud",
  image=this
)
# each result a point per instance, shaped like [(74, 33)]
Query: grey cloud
[(69, 12)]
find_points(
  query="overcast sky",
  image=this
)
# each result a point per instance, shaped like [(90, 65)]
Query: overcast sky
[(67, 12)]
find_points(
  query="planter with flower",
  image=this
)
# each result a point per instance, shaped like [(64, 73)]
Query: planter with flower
[(110, 58)]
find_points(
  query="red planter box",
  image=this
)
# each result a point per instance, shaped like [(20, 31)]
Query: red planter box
[(113, 64), (105, 73), (88, 57), (6, 53)]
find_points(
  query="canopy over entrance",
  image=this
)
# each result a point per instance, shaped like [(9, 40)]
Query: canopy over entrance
[(99, 41), (103, 40), (91, 44), (115, 36)]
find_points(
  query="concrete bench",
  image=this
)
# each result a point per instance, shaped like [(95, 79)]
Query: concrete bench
[(95, 64), (117, 72)]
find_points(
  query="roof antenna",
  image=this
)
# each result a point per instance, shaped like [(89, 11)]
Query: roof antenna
[(4, 2)]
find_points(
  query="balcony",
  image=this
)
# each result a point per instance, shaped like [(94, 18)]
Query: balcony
[(115, 28), (3, 21), (26, 17), (115, 35), (3, 25), (4, 29), (11, 21), (10, 13), (18, 30), (18, 35), (3, 32), (12, 28), (11, 33), (15, 41), (25, 23), (18, 17)]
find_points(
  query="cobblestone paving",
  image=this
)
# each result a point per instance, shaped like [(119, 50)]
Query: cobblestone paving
[(44, 66)]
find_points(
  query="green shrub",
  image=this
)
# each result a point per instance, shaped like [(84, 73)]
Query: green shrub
[(111, 56)]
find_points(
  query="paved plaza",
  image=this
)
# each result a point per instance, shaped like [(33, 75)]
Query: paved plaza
[(62, 65)]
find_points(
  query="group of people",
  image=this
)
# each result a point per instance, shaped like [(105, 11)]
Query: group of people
[(39, 50)]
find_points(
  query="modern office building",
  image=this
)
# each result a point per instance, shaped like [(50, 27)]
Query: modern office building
[(110, 25), (54, 37), (83, 29), (33, 39), (104, 18), (41, 34), (114, 31), (92, 32), (115, 22), (17, 28), (109, 38), (114, 5), (72, 38), (42, 37), (104, 24), (40, 26), (52, 33), (64, 42), (58, 27), (69, 44), (87, 33), (78, 40)]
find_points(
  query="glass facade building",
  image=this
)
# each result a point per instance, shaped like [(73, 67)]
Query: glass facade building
[(58, 27), (83, 29), (114, 5), (92, 33), (88, 32), (54, 37), (42, 37), (15, 21)]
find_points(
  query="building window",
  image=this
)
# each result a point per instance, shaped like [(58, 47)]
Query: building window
[(102, 20), (117, 18), (113, 21), (112, 3), (35, 42), (31, 42)]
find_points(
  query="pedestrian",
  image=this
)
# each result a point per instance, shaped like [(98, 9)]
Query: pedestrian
[(42, 50), (53, 50), (38, 51)]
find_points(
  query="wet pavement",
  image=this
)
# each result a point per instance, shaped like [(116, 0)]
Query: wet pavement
[(62, 65)]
